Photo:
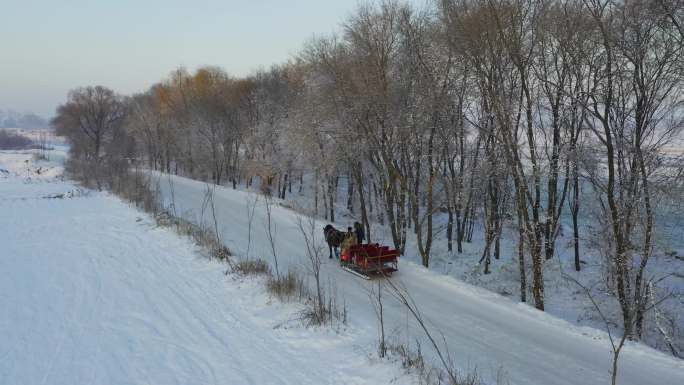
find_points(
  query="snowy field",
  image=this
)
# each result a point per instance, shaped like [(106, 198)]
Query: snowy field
[(94, 293)]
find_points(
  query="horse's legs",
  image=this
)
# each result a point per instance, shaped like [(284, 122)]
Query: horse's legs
[(330, 249)]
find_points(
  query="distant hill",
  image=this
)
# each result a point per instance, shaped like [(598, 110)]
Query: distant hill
[(13, 119)]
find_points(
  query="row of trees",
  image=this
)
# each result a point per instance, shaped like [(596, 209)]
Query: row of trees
[(465, 115), (14, 119)]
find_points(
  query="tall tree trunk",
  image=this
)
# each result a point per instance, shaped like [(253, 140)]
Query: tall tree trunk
[(574, 209), (358, 176), (521, 258), (316, 191), (284, 186), (350, 193), (450, 228), (332, 192)]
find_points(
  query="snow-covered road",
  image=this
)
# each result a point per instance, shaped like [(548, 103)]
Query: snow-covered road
[(483, 330), (93, 292)]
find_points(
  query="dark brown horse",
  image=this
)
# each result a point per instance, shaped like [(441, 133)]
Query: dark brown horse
[(333, 238)]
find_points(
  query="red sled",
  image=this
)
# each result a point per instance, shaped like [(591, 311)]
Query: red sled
[(369, 260)]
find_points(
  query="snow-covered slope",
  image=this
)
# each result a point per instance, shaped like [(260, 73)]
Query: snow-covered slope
[(92, 292), (482, 330)]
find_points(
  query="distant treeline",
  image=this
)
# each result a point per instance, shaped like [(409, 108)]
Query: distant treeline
[(13, 119), (13, 141)]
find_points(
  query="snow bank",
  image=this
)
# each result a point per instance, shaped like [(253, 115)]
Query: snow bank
[(93, 292)]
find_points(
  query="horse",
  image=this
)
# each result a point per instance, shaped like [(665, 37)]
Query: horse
[(333, 238)]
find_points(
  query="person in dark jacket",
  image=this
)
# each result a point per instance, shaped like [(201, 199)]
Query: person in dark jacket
[(360, 235)]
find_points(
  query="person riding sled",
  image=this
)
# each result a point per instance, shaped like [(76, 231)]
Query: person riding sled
[(358, 230), (348, 241)]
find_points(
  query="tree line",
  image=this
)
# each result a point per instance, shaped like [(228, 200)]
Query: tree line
[(460, 117), (14, 119)]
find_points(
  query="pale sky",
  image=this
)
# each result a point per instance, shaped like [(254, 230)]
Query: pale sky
[(48, 47)]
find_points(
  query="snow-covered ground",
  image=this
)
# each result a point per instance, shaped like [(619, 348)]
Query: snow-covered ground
[(563, 297), (93, 292), (483, 330)]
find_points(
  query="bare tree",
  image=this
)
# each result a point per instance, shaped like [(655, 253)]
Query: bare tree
[(307, 227), (401, 294), (251, 202), (616, 345), (375, 296), (90, 119), (636, 86), (271, 231)]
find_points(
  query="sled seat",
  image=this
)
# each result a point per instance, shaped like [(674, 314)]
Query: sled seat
[(370, 259)]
